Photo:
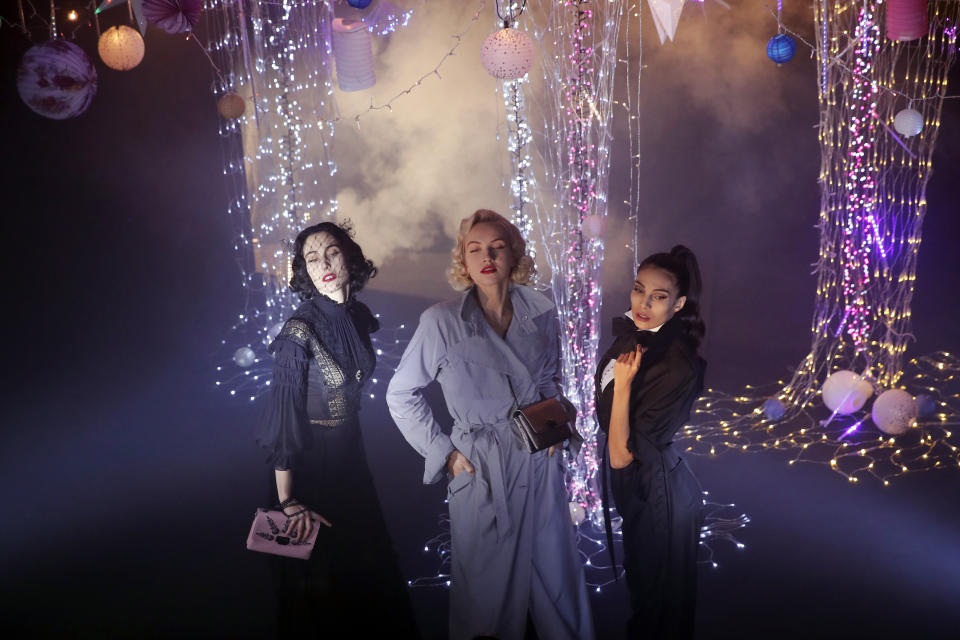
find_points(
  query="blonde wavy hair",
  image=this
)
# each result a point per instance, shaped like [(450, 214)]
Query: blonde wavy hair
[(523, 265)]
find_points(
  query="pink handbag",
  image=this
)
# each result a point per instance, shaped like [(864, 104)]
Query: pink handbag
[(268, 535)]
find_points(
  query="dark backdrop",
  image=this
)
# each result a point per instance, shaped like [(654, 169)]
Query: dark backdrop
[(129, 479)]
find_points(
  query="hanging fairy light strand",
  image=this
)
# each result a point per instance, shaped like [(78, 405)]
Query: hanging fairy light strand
[(278, 158)]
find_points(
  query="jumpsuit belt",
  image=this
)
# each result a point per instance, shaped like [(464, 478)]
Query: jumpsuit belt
[(497, 435)]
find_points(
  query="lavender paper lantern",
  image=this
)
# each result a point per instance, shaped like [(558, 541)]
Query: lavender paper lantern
[(507, 54), (173, 16), (353, 52), (894, 411), (56, 80), (845, 392), (908, 122), (120, 48)]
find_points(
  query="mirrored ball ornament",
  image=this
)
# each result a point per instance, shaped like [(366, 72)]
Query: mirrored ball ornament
[(244, 357)]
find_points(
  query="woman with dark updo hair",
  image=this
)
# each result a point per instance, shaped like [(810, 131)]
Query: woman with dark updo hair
[(310, 427), (646, 383)]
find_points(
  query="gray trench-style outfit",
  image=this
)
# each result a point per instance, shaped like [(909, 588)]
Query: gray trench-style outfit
[(513, 543)]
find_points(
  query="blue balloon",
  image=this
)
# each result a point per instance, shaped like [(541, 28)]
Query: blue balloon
[(359, 4), (774, 409), (926, 405), (781, 48)]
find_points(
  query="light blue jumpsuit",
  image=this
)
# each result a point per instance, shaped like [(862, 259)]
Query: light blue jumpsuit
[(513, 543)]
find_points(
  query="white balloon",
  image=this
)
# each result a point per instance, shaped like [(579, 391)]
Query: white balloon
[(908, 122), (577, 513), (846, 392), (894, 411), (507, 54), (244, 357)]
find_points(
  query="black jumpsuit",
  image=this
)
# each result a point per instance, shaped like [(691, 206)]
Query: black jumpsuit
[(657, 495)]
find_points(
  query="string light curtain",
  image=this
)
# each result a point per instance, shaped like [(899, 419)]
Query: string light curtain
[(279, 156), (872, 187), (570, 119), (873, 183)]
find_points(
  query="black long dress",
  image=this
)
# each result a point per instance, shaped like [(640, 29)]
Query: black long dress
[(310, 426), (657, 495)]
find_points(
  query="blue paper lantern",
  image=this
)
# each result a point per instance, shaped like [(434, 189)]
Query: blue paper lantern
[(359, 4), (773, 409), (781, 48), (926, 405)]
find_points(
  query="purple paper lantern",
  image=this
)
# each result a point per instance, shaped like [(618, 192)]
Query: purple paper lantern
[(56, 79), (173, 16)]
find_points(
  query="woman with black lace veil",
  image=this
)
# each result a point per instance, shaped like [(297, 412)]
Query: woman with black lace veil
[(310, 427)]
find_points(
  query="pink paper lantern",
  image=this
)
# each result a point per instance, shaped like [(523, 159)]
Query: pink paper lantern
[(507, 54), (907, 19), (56, 79), (173, 16)]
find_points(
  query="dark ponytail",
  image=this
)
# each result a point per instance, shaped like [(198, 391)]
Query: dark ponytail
[(683, 266)]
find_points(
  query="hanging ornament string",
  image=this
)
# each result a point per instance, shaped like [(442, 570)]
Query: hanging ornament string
[(193, 36), (836, 60), (513, 14), (388, 105), (53, 21)]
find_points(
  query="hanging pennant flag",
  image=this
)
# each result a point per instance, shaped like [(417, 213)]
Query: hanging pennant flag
[(136, 5), (666, 17)]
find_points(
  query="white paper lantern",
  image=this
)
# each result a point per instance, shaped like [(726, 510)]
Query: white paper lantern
[(507, 54), (894, 411), (121, 47), (594, 226), (244, 357), (908, 122), (577, 513), (845, 392), (353, 51)]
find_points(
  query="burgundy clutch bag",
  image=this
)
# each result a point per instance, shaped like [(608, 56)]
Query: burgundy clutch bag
[(543, 424), (269, 535)]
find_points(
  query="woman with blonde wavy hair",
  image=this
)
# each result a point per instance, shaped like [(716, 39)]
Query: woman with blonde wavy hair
[(514, 560)]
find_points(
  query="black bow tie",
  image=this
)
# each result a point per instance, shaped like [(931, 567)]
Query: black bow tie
[(626, 327)]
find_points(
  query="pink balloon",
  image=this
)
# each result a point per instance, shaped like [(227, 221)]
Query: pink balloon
[(56, 79), (173, 16)]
